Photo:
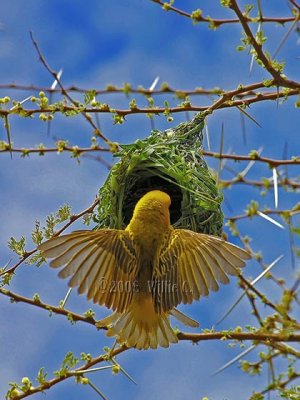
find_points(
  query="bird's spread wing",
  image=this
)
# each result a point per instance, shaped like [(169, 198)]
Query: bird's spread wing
[(191, 265), (101, 263)]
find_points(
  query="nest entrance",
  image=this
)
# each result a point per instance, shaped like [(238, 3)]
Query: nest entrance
[(140, 182), (170, 161)]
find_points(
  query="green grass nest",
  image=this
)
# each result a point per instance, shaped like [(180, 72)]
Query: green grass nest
[(170, 161)]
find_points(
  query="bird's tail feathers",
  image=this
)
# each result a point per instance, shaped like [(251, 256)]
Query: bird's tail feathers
[(140, 326)]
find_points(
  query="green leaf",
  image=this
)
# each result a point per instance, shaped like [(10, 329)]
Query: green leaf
[(17, 246)]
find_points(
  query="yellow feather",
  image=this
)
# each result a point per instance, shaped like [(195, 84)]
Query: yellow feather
[(144, 271)]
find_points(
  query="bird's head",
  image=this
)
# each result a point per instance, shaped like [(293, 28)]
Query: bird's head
[(156, 197), (156, 202)]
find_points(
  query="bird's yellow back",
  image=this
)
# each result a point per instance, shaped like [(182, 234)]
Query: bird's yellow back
[(150, 221)]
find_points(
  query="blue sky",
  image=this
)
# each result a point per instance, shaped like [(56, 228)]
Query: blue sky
[(103, 42)]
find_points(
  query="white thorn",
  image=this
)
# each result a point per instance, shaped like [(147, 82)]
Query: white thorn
[(59, 74), (247, 169), (85, 371), (261, 214), (252, 283), (252, 58), (275, 183), (234, 359), (207, 137), (267, 269), (21, 102), (155, 82), (6, 265), (66, 298), (123, 371), (250, 165), (27, 98)]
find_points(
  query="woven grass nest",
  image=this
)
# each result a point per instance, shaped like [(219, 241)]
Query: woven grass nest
[(170, 161)]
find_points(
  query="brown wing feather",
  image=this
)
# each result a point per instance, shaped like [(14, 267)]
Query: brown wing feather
[(101, 263), (191, 265)]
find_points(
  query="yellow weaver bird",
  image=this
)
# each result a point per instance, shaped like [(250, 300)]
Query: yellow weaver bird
[(143, 272)]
